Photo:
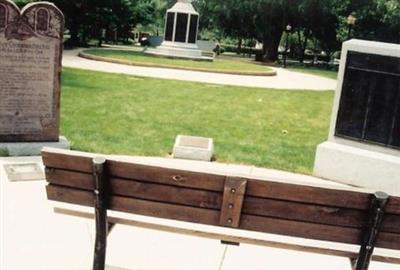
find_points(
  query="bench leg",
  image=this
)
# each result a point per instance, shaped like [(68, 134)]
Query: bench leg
[(371, 232), (110, 226), (100, 214), (353, 262)]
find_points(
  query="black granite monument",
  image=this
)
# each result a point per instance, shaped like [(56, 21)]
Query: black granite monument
[(369, 108)]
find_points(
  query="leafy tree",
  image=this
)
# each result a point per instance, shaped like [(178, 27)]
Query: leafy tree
[(86, 18), (315, 19), (270, 20), (22, 3), (324, 22)]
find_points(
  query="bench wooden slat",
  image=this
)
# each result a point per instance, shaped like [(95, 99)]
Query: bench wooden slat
[(211, 217), (137, 172), (80, 162), (141, 190), (212, 182), (209, 199)]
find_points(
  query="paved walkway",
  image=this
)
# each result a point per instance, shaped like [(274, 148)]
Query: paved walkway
[(284, 80), (34, 237)]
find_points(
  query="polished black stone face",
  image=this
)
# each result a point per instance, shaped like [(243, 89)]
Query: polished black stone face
[(181, 27), (369, 108), (169, 28), (193, 28)]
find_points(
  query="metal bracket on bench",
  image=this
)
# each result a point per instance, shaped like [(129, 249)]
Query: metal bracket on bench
[(230, 243), (100, 213), (232, 201), (371, 232)]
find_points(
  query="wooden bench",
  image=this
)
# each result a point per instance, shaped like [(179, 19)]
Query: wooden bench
[(333, 215)]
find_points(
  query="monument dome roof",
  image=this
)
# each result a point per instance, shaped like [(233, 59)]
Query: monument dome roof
[(183, 6)]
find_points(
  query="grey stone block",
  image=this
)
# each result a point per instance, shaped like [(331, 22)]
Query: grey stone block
[(30, 148)]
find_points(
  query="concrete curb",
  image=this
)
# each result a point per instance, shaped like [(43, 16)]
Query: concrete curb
[(132, 63)]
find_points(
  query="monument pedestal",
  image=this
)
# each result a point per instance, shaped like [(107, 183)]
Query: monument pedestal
[(31, 148), (167, 49), (359, 167), (180, 37)]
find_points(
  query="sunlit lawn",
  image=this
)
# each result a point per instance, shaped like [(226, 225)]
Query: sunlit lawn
[(330, 74), (122, 114), (217, 65)]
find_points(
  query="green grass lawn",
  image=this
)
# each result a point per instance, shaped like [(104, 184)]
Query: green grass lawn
[(121, 114), (330, 74), (216, 65)]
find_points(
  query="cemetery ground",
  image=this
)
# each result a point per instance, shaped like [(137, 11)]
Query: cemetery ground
[(285, 78), (120, 114), (220, 64), (227, 62), (327, 73)]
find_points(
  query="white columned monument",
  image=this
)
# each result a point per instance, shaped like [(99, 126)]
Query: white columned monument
[(180, 35), (363, 148)]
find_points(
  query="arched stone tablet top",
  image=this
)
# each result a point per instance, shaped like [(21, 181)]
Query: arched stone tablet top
[(3, 16), (45, 19), (9, 12)]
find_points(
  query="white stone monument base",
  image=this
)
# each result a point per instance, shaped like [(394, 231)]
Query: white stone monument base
[(194, 148), (173, 50), (358, 167), (31, 148)]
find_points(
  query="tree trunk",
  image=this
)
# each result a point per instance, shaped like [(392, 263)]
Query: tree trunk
[(239, 48), (264, 48), (74, 31), (300, 50), (270, 48), (304, 45)]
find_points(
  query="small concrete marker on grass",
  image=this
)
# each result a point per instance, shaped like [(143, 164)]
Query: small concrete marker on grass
[(24, 172), (194, 148)]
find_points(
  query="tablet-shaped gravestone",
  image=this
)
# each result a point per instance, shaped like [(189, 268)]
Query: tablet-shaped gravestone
[(30, 67), (363, 148)]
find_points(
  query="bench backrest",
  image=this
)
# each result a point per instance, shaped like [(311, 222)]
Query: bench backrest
[(222, 200)]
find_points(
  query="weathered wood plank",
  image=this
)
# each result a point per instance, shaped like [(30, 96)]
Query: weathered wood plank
[(301, 229), (211, 217), (316, 213), (162, 210), (140, 190), (212, 182), (167, 176), (137, 171), (393, 206), (169, 194), (304, 212), (69, 178), (391, 223), (307, 194), (72, 161), (213, 200), (69, 195)]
